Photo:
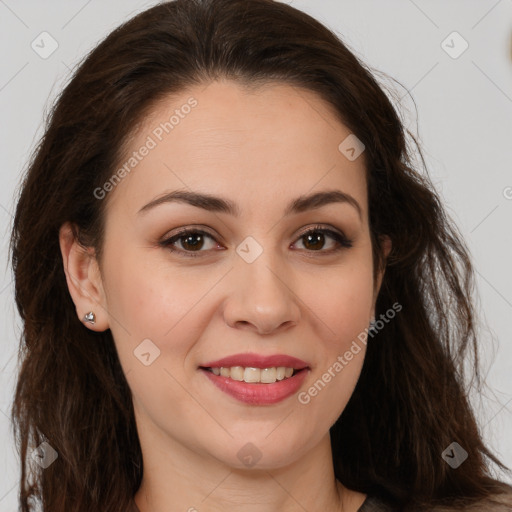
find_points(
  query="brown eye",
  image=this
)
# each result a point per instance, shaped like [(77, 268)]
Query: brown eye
[(191, 241), (315, 239)]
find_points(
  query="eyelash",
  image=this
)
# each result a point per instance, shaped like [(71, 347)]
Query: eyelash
[(343, 241)]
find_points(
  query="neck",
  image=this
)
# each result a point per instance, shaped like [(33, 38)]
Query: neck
[(178, 479)]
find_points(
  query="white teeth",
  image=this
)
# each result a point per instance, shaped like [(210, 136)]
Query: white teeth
[(268, 375), (237, 373), (254, 375)]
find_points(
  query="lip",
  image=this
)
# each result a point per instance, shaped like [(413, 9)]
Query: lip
[(258, 394), (257, 361)]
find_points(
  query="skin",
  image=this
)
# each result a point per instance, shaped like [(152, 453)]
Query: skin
[(260, 149)]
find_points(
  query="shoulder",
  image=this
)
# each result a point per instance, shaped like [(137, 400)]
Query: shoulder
[(501, 502), (496, 503)]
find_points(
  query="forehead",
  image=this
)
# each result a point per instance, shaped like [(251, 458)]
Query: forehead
[(273, 141)]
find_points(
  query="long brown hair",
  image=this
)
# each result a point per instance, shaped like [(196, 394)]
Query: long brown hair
[(411, 401)]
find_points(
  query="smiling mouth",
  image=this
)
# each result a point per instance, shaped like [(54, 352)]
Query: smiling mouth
[(252, 375)]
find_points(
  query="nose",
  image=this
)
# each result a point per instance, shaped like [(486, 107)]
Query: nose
[(261, 298)]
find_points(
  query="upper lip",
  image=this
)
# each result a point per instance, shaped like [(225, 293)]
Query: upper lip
[(257, 361)]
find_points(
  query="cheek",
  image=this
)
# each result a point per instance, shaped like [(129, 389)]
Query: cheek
[(145, 303), (340, 303)]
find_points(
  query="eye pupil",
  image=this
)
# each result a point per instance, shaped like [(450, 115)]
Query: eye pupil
[(187, 241), (316, 239)]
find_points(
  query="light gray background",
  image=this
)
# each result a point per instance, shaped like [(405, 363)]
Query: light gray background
[(464, 114)]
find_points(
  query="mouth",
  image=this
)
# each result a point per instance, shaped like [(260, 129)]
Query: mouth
[(257, 379), (254, 391)]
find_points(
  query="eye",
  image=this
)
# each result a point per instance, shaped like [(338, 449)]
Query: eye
[(191, 241), (194, 241), (314, 240)]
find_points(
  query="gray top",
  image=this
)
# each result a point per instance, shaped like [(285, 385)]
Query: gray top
[(372, 504)]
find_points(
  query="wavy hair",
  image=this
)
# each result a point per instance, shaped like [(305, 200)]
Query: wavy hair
[(411, 400)]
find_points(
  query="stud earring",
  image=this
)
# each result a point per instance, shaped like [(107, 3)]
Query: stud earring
[(89, 318), (372, 324)]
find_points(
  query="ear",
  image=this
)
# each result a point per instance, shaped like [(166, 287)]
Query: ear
[(83, 278), (386, 246)]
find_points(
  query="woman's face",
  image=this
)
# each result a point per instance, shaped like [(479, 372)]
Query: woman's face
[(245, 283)]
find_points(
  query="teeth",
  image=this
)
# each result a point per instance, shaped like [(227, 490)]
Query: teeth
[(268, 375), (237, 373), (254, 375)]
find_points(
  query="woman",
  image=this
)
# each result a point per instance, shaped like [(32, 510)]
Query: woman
[(246, 296)]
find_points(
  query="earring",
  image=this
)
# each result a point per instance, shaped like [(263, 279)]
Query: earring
[(372, 324), (89, 318)]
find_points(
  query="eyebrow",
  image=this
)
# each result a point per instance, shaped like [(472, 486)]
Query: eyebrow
[(220, 205)]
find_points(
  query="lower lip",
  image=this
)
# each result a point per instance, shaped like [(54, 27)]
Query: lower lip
[(258, 394)]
